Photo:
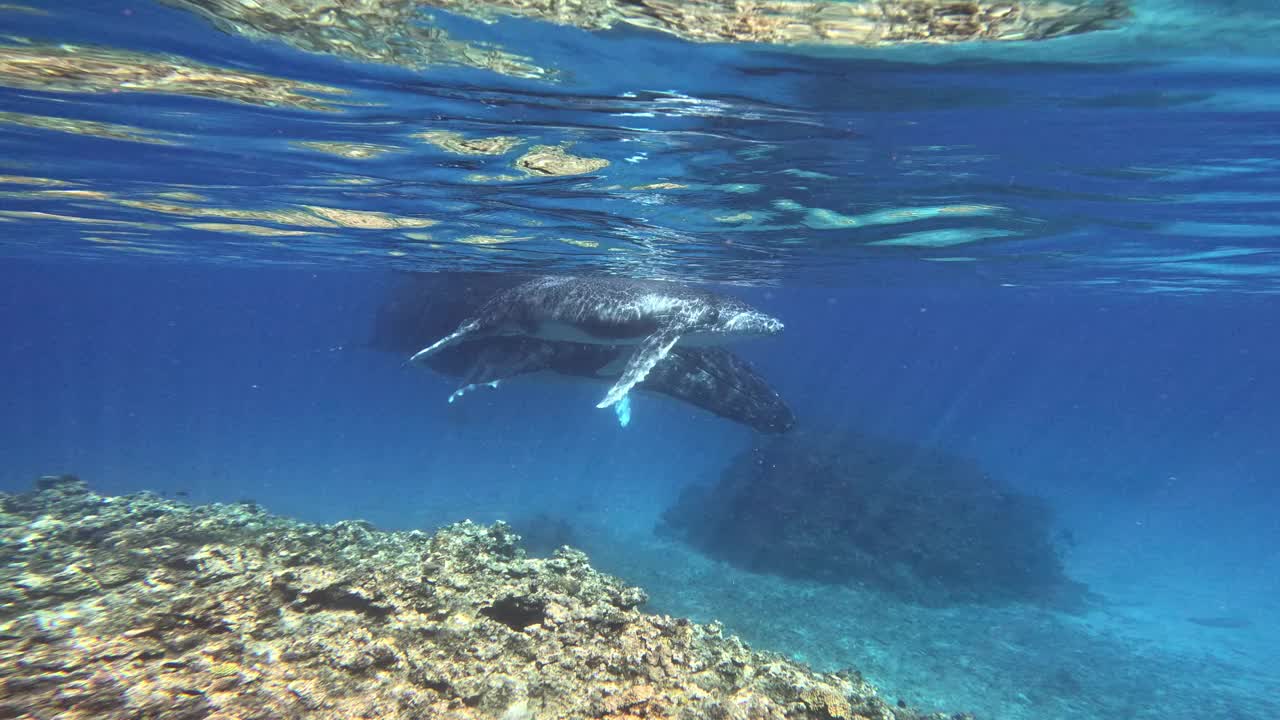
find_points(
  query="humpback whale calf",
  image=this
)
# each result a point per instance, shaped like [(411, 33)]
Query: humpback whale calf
[(651, 315), (421, 306)]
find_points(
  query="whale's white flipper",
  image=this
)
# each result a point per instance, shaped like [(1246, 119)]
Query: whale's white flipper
[(649, 353), (464, 331), (623, 411), (469, 387)]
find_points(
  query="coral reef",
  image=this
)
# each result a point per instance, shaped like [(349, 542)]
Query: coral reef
[(542, 533), (922, 524), (141, 607)]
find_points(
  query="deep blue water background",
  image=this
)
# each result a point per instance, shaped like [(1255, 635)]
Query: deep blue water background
[(1148, 422), (255, 382), (1111, 344)]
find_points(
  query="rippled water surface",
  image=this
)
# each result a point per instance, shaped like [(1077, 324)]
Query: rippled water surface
[(1140, 153)]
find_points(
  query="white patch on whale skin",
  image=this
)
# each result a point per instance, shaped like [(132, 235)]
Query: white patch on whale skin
[(750, 322), (469, 387), (623, 410)]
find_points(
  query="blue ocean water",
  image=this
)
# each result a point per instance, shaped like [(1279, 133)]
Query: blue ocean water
[(1059, 259)]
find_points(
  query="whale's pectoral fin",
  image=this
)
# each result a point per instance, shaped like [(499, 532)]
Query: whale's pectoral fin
[(649, 353), (623, 411), (508, 359), (498, 361), (463, 390), (479, 374), (469, 329)]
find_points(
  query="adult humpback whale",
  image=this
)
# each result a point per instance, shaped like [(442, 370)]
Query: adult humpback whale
[(425, 305), (651, 315)]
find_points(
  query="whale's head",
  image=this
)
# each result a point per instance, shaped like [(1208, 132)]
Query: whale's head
[(752, 322), (739, 320)]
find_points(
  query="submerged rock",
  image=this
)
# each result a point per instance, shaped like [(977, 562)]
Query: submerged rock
[(848, 508), (142, 607)]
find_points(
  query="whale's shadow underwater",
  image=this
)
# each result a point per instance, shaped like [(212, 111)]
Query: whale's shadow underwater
[(420, 307)]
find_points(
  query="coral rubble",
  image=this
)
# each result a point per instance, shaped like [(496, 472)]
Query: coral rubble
[(141, 607), (840, 508)]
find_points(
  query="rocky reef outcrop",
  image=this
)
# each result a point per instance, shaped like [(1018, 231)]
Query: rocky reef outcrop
[(142, 607), (850, 508)]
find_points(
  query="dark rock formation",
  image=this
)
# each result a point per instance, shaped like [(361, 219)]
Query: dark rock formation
[(141, 607), (840, 508)]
